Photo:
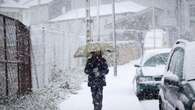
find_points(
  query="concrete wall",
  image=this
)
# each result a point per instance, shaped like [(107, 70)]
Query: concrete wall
[(54, 47)]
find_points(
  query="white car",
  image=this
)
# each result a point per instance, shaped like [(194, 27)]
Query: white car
[(177, 90), (149, 71)]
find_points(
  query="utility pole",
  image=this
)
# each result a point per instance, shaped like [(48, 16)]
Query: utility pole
[(154, 25), (141, 41), (98, 19), (44, 56), (88, 22), (114, 37), (179, 19)]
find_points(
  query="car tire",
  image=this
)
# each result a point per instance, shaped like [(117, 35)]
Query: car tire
[(140, 96)]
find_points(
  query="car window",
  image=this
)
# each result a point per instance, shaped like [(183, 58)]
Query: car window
[(160, 59), (176, 63)]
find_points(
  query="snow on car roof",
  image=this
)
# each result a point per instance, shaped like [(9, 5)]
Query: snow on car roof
[(149, 53), (121, 7)]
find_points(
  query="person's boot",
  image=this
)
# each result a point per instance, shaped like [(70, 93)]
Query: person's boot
[(96, 107), (100, 107)]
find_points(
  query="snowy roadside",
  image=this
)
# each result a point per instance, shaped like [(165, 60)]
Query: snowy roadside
[(118, 94), (62, 84), (150, 104)]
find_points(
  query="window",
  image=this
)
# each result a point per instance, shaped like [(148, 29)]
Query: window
[(160, 59), (176, 64)]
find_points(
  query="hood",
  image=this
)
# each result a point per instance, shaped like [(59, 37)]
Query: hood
[(153, 71)]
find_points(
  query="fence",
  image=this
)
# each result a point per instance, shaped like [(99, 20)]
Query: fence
[(15, 59)]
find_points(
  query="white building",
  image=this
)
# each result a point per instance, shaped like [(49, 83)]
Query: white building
[(30, 12)]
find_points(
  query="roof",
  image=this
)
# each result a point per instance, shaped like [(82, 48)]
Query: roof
[(23, 3), (121, 7), (31, 3), (139, 21)]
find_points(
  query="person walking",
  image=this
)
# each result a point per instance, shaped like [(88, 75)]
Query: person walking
[(96, 69)]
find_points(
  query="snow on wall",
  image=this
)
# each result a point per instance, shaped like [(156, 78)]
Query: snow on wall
[(53, 50), (46, 53)]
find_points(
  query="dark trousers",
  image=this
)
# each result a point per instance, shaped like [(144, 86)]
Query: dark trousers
[(97, 94)]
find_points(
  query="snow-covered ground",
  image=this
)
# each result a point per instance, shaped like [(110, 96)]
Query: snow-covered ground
[(150, 105), (118, 94), (62, 84)]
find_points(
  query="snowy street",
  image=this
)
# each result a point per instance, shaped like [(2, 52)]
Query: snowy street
[(57, 54), (118, 94)]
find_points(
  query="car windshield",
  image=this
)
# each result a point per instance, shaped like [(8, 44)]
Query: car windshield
[(157, 60)]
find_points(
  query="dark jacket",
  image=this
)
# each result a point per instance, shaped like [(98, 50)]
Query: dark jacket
[(101, 65)]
